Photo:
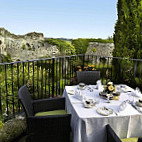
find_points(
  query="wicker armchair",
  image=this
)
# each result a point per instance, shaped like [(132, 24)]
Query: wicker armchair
[(88, 77), (49, 128), (112, 137)]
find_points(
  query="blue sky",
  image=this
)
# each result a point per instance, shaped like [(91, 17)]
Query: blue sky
[(60, 18)]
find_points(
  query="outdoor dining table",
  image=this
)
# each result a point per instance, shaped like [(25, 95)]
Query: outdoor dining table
[(90, 126)]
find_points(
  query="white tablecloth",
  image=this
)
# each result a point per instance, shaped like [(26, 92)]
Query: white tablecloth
[(89, 126)]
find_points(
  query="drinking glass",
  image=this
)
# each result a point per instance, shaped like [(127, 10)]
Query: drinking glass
[(131, 98), (97, 99)]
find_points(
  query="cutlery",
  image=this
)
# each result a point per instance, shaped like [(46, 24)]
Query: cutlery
[(112, 110), (115, 112), (140, 111)]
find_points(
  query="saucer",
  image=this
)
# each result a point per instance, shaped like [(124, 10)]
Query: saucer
[(138, 104), (71, 92), (88, 103)]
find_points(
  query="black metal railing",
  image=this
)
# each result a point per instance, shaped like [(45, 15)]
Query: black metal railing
[(47, 77)]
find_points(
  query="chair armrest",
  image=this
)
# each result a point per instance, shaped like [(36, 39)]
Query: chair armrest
[(49, 125), (140, 140), (48, 104), (111, 135)]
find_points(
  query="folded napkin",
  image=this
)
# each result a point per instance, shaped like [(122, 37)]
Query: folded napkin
[(99, 86), (137, 93), (78, 95)]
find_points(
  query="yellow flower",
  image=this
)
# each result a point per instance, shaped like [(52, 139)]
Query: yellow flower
[(80, 70), (85, 67), (93, 69), (110, 88), (79, 67)]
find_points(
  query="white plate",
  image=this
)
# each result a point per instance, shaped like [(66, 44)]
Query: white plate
[(138, 104), (104, 111), (71, 92), (125, 88)]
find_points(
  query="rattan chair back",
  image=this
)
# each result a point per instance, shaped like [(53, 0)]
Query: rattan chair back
[(88, 77), (26, 100)]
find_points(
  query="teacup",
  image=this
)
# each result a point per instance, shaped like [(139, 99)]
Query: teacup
[(140, 101), (81, 85), (88, 103)]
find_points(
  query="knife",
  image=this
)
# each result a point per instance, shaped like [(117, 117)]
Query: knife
[(136, 108)]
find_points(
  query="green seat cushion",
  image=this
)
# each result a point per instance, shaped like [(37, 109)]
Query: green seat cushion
[(135, 139), (54, 112)]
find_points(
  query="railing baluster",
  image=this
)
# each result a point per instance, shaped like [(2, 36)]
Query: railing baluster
[(70, 61), (33, 81), (45, 77), (49, 77), (12, 89), (107, 72), (135, 69), (7, 109), (62, 72), (1, 109), (37, 80), (56, 76), (28, 71), (59, 74), (68, 82), (65, 69), (41, 79), (18, 85), (53, 63), (23, 73)]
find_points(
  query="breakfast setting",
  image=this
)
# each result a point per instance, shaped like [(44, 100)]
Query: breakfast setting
[(105, 100)]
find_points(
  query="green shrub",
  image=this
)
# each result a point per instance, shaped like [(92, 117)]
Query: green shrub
[(63, 46), (81, 45), (109, 40), (23, 46), (1, 125), (6, 58), (29, 48), (12, 129), (94, 49)]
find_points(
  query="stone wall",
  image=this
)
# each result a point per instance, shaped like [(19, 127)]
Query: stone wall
[(25, 47), (102, 49)]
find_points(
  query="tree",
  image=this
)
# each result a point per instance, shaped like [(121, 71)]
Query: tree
[(0, 51), (128, 42), (128, 29), (80, 45)]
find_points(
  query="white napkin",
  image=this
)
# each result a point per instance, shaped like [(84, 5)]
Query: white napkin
[(137, 93), (100, 86), (78, 95)]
